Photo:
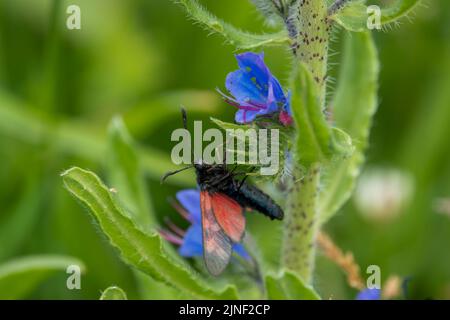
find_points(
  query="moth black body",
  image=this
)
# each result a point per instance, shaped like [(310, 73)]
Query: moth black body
[(217, 178)]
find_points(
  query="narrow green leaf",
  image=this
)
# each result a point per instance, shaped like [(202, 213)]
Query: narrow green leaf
[(151, 289), (142, 120), (238, 38), (16, 226), (127, 177), (354, 16), (354, 105), (74, 138), (397, 10), (288, 286), (313, 132), (141, 250), (19, 277), (113, 293), (228, 125)]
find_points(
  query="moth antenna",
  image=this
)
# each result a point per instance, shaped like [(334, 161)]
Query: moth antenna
[(184, 119), (171, 173)]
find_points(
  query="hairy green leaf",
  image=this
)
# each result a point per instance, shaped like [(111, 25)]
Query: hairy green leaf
[(355, 15), (19, 277), (141, 250), (313, 132), (228, 125), (354, 105), (288, 286), (113, 293), (127, 177), (238, 38)]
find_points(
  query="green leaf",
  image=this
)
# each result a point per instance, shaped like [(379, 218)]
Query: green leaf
[(113, 293), (141, 250), (142, 120), (313, 132), (228, 125), (238, 38), (342, 143), (354, 16), (127, 177), (16, 226), (288, 286), (151, 289), (354, 104), (74, 138), (19, 277), (397, 10)]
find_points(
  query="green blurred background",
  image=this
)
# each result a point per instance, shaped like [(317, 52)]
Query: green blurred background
[(142, 59)]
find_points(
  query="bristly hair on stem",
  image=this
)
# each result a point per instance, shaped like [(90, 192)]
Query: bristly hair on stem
[(337, 5)]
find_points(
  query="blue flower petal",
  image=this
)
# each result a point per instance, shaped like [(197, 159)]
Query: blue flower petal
[(240, 250), (277, 90), (254, 64), (192, 243), (244, 116), (190, 200), (244, 89), (272, 102), (369, 294)]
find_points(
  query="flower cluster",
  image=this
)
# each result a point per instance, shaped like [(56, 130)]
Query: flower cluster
[(255, 91)]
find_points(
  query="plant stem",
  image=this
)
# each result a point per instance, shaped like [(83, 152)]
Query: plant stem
[(313, 39), (301, 224), (311, 49)]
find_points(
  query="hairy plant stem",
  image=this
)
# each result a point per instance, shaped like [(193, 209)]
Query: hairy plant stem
[(301, 223), (313, 39)]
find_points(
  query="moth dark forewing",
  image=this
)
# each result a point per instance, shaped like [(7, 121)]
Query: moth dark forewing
[(217, 178), (252, 197)]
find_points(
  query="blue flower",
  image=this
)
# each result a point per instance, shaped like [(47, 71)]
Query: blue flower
[(256, 92), (369, 294), (191, 240)]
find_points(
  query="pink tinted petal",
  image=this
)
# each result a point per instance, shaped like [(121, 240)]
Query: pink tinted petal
[(171, 237), (285, 118)]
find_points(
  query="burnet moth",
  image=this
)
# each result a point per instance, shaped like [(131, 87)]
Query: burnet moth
[(223, 200)]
